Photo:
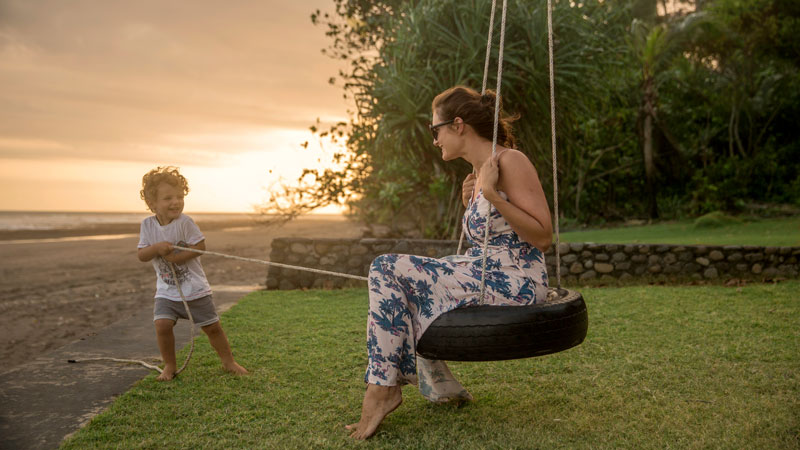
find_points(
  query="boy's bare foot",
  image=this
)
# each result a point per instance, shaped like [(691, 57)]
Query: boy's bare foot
[(235, 369), (167, 374), (379, 401)]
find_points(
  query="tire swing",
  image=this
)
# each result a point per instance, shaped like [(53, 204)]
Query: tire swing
[(493, 333)]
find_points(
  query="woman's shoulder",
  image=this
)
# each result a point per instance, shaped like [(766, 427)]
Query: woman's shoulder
[(513, 158)]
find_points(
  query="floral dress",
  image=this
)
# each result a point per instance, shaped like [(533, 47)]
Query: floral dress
[(407, 293)]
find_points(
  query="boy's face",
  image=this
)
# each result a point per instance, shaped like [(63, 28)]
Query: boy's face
[(168, 205)]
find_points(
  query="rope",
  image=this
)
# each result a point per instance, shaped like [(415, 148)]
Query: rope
[(553, 136), (270, 263), (494, 141), (483, 91), (188, 313), (150, 366), (488, 48)]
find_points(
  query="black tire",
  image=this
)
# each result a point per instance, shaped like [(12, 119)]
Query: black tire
[(494, 333)]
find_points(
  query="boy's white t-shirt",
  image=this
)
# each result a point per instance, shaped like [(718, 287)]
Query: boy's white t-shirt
[(181, 231)]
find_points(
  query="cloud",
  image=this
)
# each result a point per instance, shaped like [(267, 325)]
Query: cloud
[(120, 80)]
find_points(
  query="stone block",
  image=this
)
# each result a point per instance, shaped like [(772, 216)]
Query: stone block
[(756, 269), (300, 248), (655, 268), (691, 268), (624, 265), (734, 257), (322, 248), (702, 261), (619, 256), (670, 258), (576, 246), (602, 257), (569, 259), (359, 250), (711, 273), (576, 268), (716, 255), (588, 275), (588, 264), (753, 257), (401, 247), (604, 267)]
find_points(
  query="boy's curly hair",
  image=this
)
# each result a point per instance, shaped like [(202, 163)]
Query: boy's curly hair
[(161, 174)]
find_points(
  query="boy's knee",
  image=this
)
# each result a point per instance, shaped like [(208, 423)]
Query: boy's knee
[(164, 325), (212, 329)]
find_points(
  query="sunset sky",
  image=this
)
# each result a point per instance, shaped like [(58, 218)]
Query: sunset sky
[(94, 93)]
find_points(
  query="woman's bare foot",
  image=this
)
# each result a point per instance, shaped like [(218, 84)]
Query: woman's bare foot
[(379, 401), (167, 374), (235, 369)]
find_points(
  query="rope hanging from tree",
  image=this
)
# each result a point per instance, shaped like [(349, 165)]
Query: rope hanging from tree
[(496, 124)]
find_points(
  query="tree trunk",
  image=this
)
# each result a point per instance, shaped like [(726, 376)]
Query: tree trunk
[(649, 167)]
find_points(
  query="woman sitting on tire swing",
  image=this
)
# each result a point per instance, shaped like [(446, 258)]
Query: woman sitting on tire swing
[(407, 293)]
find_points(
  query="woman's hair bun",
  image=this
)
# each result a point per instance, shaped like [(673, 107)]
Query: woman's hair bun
[(488, 98)]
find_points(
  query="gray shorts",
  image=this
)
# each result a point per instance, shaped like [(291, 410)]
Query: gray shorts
[(203, 310)]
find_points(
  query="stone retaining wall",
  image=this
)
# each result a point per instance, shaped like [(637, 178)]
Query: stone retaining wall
[(580, 262)]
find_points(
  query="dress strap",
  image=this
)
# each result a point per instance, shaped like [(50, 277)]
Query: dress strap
[(501, 152)]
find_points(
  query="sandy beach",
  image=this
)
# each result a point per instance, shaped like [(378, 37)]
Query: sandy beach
[(60, 290)]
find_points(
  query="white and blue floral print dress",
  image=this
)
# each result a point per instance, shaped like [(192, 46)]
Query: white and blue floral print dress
[(407, 293)]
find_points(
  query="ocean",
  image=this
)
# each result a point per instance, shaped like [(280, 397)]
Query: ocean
[(36, 220), (27, 227)]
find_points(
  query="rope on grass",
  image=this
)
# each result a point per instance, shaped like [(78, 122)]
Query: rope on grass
[(143, 363)]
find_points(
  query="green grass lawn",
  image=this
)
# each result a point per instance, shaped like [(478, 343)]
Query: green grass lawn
[(765, 232), (661, 367)]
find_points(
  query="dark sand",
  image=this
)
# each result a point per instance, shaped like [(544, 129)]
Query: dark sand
[(53, 293)]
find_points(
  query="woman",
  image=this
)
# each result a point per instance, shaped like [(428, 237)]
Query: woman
[(407, 293)]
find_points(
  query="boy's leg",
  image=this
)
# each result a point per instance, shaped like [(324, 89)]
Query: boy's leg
[(166, 344), (218, 340)]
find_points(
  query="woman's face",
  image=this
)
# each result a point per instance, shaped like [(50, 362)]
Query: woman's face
[(445, 138)]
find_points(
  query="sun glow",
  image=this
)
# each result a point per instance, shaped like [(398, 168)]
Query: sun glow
[(233, 174)]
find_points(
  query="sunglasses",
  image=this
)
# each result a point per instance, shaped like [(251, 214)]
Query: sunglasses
[(435, 128)]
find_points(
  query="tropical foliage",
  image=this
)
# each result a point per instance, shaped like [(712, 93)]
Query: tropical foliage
[(658, 115)]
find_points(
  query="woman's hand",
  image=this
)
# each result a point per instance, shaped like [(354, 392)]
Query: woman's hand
[(490, 173), (467, 188)]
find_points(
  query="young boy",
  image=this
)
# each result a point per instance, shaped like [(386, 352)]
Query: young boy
[(163, 189)]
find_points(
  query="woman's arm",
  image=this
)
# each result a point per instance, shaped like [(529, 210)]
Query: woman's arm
[(526, 209)]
